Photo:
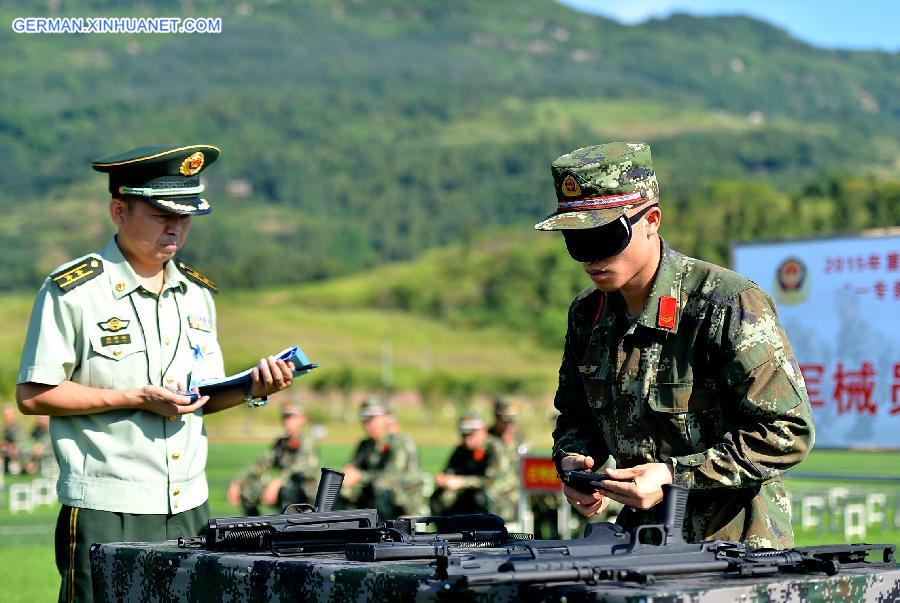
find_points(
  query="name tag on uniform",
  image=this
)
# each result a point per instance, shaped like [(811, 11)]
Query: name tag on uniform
[(200, 323)]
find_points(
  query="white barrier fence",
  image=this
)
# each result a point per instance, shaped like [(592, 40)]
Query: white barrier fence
[(25, 496), (842, 510)]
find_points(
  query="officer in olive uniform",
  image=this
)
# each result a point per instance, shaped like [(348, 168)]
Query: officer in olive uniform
[(293, 457), (114, 336), (479, 474), (384, 472), (678, 369)]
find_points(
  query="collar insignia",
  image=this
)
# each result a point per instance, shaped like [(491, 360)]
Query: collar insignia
[(668, 306), (114, 324)]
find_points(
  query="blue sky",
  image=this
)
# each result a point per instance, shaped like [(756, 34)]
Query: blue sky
[(861, 24)]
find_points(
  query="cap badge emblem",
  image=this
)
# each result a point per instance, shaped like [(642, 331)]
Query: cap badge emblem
[(192, 164), (570, 187)]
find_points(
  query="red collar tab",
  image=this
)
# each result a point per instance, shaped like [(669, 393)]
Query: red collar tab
[(668, 306)]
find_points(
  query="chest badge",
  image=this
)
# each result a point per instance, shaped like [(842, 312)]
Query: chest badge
[(114, 324), (200, 323), (668, 306)]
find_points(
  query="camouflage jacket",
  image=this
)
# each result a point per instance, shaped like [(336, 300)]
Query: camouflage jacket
[(392, 462), (490, 469), (717, 393), (293, 458)]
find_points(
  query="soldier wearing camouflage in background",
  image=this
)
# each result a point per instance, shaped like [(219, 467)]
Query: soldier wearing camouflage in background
[(506, 429), (478, 476), (39, 449), (9, 447), (384, 471), (296, 461), (678, 369)]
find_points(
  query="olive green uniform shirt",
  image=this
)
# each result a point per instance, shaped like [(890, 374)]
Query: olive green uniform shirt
[(109, 332), (717, 393)]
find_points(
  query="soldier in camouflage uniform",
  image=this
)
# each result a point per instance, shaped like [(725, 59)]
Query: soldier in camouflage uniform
[(384, 471), (10, 446), (478, 476), (295, 460), (506, 429), (678, 369), (40, 448)]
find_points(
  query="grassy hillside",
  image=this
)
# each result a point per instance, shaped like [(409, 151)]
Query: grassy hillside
[(421, 324), (371, 131)]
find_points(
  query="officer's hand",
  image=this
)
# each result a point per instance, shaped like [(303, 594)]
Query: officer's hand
[(270, 493), (234, 493), (641, 486), (586, 504), (166, 402), (270, 376), (352, 475)]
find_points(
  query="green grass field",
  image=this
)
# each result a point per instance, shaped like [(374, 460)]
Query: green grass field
[(27, 570)]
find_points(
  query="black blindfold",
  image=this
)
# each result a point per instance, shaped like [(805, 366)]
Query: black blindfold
[(604, 241)]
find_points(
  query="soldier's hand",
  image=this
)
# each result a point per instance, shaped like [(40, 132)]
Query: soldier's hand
[(352, 475), (234, 493), (166, 402), (270, 376), (448, 481), (586, 504), (270, 493), (640, 486)]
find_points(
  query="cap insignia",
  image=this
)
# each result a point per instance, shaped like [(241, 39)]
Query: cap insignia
[(570, 187), (192, 164)]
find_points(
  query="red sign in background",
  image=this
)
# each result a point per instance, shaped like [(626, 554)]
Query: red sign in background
[(539, 474)]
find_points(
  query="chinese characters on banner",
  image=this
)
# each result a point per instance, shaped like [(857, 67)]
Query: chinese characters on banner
[(839, 302)]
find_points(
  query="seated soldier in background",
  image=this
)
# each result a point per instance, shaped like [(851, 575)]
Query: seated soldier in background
[(506, 429), (478, 475), (295, 459), (409, 497), (40, 459), (384, 472)]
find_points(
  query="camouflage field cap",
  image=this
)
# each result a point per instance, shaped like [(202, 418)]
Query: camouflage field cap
[(595, 185), (372, 407), (470, 422), (165, 177), (289, 409), (505, 408)]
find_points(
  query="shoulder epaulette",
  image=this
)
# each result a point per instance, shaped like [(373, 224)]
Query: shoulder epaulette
[(195, 276), (77, 274)]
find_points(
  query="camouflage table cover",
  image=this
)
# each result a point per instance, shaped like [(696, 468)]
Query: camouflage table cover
[(164, 572)]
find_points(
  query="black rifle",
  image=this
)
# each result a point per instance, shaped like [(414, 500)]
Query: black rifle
[(607, 552), (303, 528)]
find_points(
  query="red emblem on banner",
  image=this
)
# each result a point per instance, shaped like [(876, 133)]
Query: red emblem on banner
[(667, 308)]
